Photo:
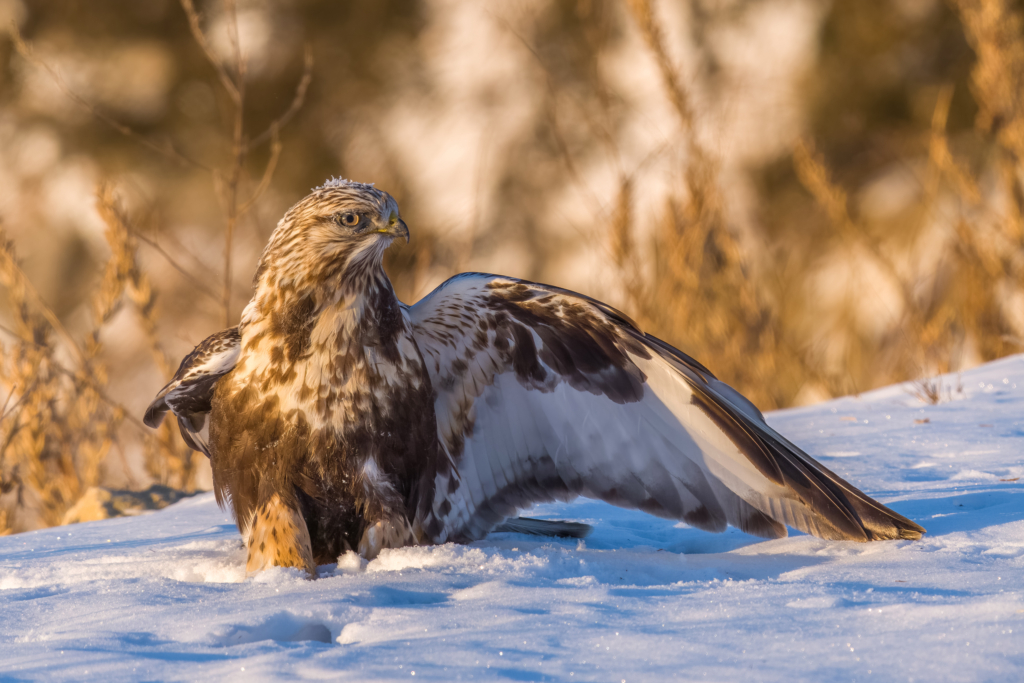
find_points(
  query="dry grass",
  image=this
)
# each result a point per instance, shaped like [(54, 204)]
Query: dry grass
[(167, 459), (692, 281), (58, 427), (697, 286), (996, 33), (693, 285)]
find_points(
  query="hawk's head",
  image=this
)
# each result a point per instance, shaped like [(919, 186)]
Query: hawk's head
[(341, 229)]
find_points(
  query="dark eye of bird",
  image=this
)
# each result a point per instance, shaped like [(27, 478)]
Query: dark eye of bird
[(348, 219)]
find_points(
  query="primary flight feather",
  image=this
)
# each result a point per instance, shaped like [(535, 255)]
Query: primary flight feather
[(336, 417)]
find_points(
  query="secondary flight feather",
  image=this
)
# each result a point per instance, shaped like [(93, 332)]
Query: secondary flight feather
[(337, 418)]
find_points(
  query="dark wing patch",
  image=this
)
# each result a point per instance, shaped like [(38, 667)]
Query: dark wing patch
[(189, 393), (577, 346)]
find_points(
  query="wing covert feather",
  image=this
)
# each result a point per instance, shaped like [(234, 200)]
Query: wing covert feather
[(543, 394), (190, 391)]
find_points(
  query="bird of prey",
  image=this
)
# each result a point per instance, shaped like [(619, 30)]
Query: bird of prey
[(338, 418)]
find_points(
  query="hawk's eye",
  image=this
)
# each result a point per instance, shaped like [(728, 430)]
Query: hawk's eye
[(349, 219)]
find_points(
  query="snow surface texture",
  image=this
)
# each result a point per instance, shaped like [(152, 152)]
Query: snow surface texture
[(162, 597)]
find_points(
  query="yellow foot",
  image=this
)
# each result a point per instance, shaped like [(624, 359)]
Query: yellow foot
[(278, 537)]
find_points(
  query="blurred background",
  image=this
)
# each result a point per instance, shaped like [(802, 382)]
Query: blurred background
[(812, 198)]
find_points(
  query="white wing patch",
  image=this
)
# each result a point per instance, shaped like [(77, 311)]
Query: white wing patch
[(543, 394)]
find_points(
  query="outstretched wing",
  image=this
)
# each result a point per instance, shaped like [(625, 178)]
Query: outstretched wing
[(188, 395), (545, 394)]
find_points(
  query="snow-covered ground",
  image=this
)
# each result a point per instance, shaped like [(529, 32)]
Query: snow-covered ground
[(162, 597)]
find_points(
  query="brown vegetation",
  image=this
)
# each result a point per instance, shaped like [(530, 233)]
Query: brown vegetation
[(58, 425), (815, 297), (695, 285)]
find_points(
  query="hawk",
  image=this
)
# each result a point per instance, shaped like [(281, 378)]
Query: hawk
[(338, 418)]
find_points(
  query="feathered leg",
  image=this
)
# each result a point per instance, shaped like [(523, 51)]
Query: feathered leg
[(386, 533), (278, 537)]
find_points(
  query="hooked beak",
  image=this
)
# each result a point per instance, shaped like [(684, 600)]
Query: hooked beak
[(397, 228)]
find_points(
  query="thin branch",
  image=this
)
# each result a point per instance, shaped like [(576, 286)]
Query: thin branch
[(193, 280), (231, 195), (600, 129), (235, 87), (227, 183), (10, 395), (147, 219), (200, 38), (231, 9), (552, 112), (3, 452), (25, 394), (17, 335), (168, 150), (293, 108), (268, 172)]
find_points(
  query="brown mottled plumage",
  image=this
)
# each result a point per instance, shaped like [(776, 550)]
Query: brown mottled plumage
[(338, 418)]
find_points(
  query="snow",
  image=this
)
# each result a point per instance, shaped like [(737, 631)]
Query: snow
[(162, 596)]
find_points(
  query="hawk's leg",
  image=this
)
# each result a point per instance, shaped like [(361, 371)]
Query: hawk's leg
[(384, 523), (278, 537), (386, 533)]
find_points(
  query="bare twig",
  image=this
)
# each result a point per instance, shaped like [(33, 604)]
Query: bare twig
[(234, 85), (231, 9), (239, 148), (227, 182), (230, 192), (197, 34), (600, 129), (14, 431), (193, 280), (16, 335), (296, 104), (124, 269), (268, 172), (555, 126), (10, 395), (167, 150)]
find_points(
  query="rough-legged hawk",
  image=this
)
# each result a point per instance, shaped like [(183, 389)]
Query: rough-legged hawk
[(336, 417)]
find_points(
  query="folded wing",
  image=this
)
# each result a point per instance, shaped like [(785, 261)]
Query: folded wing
[(543, 394), (189, 393)]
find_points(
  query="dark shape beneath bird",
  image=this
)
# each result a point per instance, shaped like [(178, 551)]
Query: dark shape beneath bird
[(336, 417)]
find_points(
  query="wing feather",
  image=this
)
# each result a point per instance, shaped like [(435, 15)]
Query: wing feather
[(189, 393), (543, 394)]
